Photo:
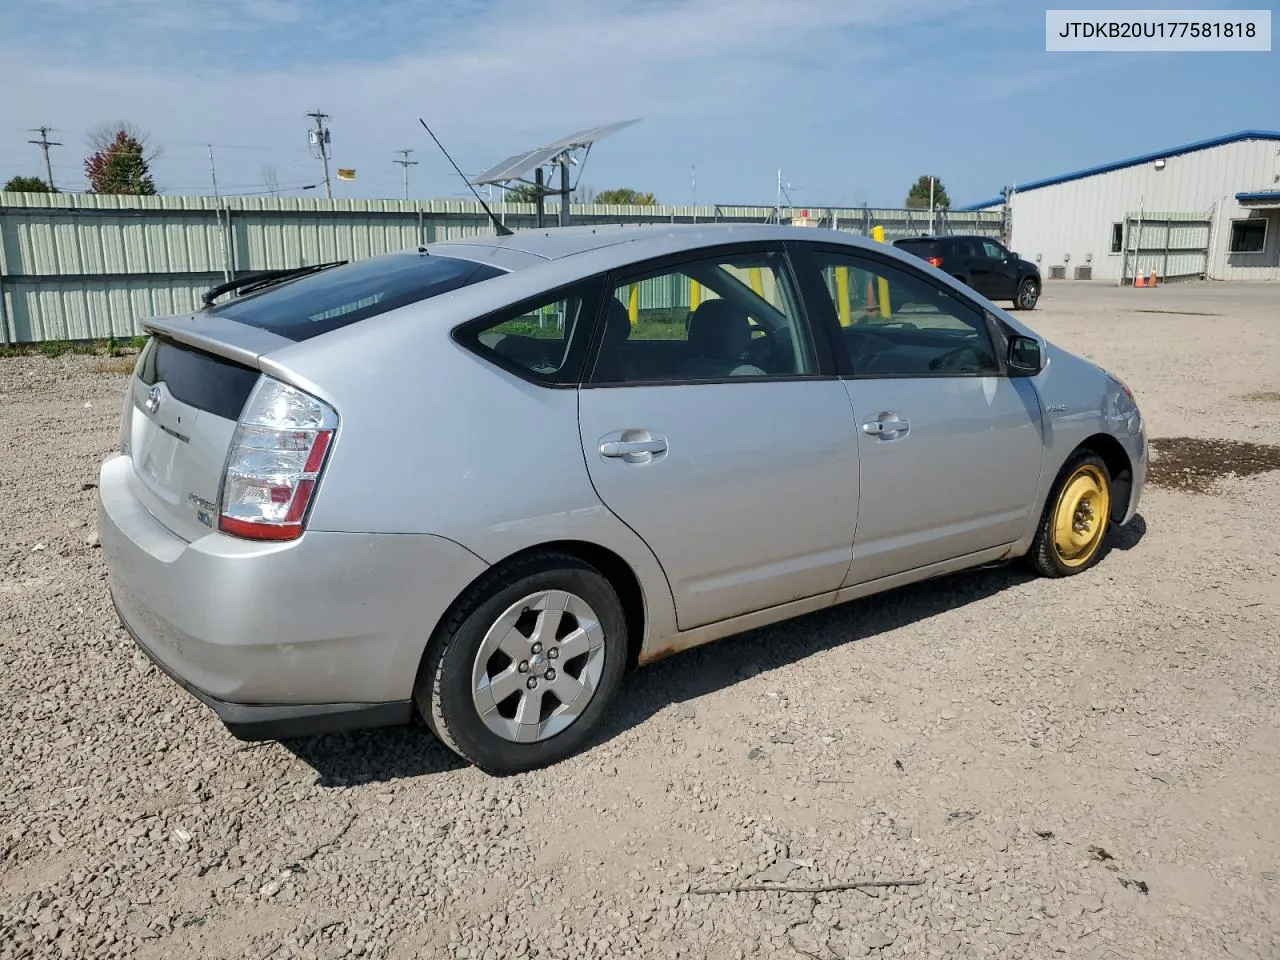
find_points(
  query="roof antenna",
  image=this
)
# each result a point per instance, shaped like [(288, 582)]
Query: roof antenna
[(498, 225)]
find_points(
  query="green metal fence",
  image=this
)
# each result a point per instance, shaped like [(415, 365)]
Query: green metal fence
[(81, 266)]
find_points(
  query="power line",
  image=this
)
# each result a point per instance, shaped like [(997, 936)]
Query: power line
[(405, 162), (44, 143), (319, 139)]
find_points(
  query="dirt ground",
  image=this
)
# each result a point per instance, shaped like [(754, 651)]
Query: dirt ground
[(1087, 767)]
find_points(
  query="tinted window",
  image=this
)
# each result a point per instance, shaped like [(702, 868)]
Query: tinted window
[(921, 248), (543, 339), (708, 319), (1248, 236), (898, 324), (321, 302), (206, 382), (994, 250)]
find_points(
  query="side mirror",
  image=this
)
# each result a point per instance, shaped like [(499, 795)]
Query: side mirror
[(1013, 256), (1025, 358)]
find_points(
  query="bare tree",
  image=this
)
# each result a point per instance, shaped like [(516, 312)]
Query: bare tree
[(270, 179), (104, 135)]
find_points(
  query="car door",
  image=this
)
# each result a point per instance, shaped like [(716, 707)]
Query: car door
[(713, 423), (998, 270), (950, 448)]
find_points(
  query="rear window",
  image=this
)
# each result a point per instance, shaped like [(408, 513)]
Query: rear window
[(921, 248), (334, 298), (201, 380)]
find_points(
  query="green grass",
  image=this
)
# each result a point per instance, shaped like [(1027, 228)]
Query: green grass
[(110, 347)]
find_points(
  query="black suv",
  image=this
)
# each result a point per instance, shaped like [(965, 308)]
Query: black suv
[(983, 264)]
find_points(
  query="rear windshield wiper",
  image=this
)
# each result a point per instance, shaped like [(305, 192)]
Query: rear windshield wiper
[(264, 278)]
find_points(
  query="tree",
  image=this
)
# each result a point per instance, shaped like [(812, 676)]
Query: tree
[(918, 195), (626, 195), (523, 193), (28, 185), (119, 164)]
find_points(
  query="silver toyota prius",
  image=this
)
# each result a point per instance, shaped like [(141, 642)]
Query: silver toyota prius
[(483, 479)]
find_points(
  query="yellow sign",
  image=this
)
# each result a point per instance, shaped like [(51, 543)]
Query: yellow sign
[(345, 174)]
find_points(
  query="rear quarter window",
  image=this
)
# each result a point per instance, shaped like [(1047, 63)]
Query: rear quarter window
[(340, 296)]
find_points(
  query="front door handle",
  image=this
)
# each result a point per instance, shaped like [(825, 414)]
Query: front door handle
[(633, 446), (626, 448), (886, 425)]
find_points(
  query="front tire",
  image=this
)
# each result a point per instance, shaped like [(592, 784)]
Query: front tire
[(520, 672), (1076, 518), (1028, 295)]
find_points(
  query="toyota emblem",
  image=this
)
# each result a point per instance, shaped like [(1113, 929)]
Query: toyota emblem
[(153, 400)]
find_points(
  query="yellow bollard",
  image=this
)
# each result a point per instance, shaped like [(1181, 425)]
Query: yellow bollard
[(842, 296), (695, 294), (633, 304), (757, 281), (877, 234)]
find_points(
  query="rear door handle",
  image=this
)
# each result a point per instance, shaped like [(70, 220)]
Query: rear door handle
[(886, 425), (627, 448)]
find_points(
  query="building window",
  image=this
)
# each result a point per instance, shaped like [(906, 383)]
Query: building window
[(1248, 236), (1117, 237)]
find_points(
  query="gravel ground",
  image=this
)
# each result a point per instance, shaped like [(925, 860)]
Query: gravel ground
[(1086, 767)]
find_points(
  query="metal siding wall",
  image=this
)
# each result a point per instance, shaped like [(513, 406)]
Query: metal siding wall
[(96, 309), (1075, 218), (78, 266)]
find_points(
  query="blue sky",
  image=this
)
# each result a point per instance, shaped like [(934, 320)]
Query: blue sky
[(851, 99)]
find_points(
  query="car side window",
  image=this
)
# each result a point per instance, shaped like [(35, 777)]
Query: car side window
[(717, 318), (896, 323), (543, 339), (993, 250)]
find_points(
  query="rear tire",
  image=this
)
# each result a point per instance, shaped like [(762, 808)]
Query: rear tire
[(1028, 295), (523, 667), (1076, 520)]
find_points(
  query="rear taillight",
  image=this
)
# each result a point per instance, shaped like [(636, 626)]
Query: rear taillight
[(935, 261), (276, 457)]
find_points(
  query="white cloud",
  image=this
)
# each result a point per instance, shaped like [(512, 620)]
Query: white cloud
[(521, 74)]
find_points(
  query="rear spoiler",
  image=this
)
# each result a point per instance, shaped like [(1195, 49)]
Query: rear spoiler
[(224, 338)]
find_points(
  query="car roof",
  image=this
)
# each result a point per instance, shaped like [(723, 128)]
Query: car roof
[(934, 238), (524, 247)]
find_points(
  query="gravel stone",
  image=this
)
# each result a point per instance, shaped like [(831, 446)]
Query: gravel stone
[(133, 825)]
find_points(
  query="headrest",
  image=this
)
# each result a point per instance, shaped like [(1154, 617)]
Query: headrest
[(719, 329), (617, 322)]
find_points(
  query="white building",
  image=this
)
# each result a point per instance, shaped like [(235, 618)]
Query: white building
[(1208, 209)]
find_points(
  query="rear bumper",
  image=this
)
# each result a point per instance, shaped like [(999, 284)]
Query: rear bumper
[(261, 721), (320, 634)]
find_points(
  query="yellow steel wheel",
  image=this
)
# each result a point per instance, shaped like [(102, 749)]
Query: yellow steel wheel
[(1080, 516)]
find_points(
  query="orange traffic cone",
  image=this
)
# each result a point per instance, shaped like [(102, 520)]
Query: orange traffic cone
[(1151, 282), (1140, 282)]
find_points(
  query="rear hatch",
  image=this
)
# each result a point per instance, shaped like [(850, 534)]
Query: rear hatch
[(197, 372), (185, 406), (924, 249)]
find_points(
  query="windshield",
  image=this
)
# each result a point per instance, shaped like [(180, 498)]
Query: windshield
[(321, 302)]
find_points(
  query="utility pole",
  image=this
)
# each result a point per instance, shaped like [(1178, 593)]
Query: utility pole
[(319, 138), (405, 162), (693, 182), (44, 143), (931, 231)]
